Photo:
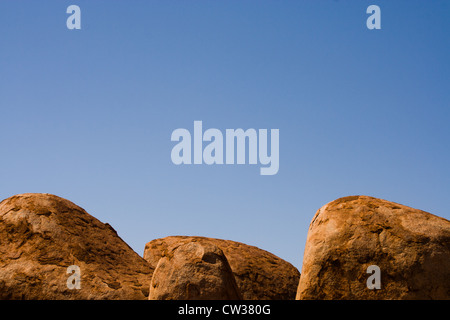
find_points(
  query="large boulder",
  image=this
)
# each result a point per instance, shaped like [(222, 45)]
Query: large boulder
[(259, 274), (411, 248), (41, 235), (194, 271)]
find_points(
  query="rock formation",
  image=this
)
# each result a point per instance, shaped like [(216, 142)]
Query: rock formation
[(41, 235), (258, 273), (411, 247), (194, 271)]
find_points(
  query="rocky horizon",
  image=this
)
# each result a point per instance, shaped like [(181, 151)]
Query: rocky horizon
[(43, 236)]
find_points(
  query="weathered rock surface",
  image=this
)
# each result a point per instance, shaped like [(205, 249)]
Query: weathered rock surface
[(194, 271), (42, 234), (258, 273), (411, 247)]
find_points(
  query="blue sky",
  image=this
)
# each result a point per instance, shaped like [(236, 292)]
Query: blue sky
[(88, 114)]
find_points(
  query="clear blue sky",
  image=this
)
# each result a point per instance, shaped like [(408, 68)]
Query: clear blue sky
[(88, 114)]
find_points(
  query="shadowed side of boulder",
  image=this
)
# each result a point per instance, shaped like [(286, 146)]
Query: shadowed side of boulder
[(194, 271)]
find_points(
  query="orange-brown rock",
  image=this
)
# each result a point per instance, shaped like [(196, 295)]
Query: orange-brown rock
[(411, 248), (258, 273), (194, 271), (41, 235)]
